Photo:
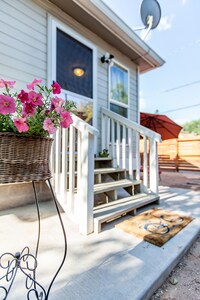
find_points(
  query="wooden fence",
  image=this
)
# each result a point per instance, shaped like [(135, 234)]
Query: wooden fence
[(179, 154)]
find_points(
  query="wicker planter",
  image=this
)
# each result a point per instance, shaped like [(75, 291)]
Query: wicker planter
[(24, 158)]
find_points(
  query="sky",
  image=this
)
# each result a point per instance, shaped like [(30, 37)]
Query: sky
[(176, 84)]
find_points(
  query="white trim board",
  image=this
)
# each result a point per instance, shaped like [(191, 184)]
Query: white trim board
[(53, 24)]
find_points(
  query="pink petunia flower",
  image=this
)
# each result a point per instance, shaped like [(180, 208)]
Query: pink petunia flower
[(28, 110), (49, 126), (23, 96), (9, 84), (56, 88), (31, 85), (35, 98), (56, 104), (66, 119), (7, 105), (21, 125)]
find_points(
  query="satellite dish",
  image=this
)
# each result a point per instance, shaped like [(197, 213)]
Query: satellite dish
[(150, 8), (150, 12)]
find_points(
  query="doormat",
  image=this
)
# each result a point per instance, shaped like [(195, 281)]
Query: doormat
[(155, 226)]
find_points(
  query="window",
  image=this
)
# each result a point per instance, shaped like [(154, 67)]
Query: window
[(122, 111), (118, 94), (72, 54), (119, 90)]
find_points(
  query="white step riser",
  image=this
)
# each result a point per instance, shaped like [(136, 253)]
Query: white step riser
[(107, 213)]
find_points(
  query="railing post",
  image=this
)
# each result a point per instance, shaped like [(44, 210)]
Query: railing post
[(57, 160), (87, 184), (153, 164), (63, 179)]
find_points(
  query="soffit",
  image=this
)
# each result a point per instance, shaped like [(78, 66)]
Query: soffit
[(87, 14)]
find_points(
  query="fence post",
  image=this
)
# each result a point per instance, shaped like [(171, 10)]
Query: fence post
[(177, 155)]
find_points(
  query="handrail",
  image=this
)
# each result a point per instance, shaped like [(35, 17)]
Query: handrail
[(82, 125), (135, 126), (73, 169), (122, 137)]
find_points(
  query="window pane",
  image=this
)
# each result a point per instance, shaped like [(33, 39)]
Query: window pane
[(71, 54), (118, 84), (84, 108), (122, 111)]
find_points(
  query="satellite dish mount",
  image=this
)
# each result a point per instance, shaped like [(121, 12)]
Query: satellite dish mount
[(150, 13)]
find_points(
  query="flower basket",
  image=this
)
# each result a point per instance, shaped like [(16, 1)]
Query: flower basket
[(24, 158)]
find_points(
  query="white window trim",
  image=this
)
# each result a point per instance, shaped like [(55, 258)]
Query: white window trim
[(53, 24), (112, 100)]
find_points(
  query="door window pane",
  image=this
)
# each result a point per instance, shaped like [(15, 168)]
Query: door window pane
[(72, 54)]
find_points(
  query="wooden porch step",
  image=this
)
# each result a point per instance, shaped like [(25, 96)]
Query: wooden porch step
[(113, 185), (105, 171), (108, 170), (112, 210), (103, 158)]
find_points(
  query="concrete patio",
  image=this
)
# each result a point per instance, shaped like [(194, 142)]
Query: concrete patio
[(110, 265)]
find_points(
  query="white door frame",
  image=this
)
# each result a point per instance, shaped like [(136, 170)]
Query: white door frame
[(53, 24)]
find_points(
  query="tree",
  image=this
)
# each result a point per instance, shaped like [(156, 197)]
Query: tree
[(119, 93), (192, 127)]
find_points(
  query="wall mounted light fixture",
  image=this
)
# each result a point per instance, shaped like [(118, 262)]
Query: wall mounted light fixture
[(78, 71), (107, 58)]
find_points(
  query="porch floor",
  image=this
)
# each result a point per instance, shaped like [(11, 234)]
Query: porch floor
[(109, 265)]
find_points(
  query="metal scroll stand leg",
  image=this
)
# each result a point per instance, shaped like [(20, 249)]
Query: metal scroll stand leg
[(25, 262), (63, 231), (64, 236)]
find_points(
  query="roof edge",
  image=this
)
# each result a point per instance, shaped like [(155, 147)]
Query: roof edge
[(141, 47)]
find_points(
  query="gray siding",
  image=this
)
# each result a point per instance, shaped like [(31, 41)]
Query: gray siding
[(102, 86), (23, 41), (23, 51)]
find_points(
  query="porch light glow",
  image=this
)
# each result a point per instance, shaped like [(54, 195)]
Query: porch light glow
[(78, 71)]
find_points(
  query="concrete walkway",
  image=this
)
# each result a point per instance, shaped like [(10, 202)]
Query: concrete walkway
[(110, 265)]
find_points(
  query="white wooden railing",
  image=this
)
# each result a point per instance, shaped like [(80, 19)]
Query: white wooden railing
[(122, 138), (72, 161), (72, 166)]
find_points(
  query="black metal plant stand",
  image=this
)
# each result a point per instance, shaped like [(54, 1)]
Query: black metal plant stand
[(26, 263)]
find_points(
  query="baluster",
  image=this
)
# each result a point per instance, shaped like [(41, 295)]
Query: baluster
[(118, 145), (145, 163), (124, 147), (130, 154), (153, 165)]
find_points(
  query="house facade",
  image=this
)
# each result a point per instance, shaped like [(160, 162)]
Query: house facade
[(97, 59)]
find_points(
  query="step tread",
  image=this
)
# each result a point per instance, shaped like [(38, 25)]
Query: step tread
[(108, 170), (123, 200), (102, 158), (112, 185), (102, 214)]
